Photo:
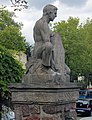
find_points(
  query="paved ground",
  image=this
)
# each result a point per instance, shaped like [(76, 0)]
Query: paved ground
[(79, 117)]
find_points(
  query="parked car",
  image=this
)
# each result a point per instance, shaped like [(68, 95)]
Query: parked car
[(84, 106), (86, 118)]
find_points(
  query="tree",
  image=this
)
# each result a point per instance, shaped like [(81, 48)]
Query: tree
[(77, 48), (19, 4), (10, 34), (87, 36), (11, 71), (11, 39), (6, 19)]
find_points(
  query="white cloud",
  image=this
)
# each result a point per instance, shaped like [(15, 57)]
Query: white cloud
[(83, 12), (71, 3), (88, 7), (28, 18), (32, 14)]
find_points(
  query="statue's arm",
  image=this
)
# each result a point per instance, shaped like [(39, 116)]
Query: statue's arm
[(45, 32)]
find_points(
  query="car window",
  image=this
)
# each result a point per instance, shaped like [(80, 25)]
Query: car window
[(89, 94), (85, 94)]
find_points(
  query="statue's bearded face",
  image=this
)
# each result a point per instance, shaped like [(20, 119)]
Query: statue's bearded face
[(52, 15)]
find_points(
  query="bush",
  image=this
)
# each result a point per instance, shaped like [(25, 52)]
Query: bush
[(10, 69)]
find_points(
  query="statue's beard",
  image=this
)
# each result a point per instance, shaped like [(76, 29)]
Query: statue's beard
[(51, 19)]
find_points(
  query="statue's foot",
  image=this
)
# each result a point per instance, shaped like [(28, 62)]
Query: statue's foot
[(47, 71), (50, 71)]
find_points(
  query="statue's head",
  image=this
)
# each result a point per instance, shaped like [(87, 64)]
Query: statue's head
[(50, 11)]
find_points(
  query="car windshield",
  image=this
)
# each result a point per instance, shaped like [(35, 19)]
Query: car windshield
[(82, 94), (85, 94)]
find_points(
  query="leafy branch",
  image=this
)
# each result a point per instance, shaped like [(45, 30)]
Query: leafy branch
[(19, 4)]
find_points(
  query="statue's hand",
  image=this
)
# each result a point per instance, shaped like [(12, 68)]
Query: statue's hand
[(52, 38)]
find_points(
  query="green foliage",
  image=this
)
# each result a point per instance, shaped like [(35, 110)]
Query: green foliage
[(77, 41), (10, 34), (6, 19), (11, 39), (4, 90), (10, 69)]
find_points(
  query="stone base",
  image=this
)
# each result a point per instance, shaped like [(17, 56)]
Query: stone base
[(36, 73), (44, 102), (45, 111)]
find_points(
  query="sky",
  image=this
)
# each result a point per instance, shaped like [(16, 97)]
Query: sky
[(66, 8)]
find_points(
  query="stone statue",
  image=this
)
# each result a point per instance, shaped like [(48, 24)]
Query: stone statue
[(28, 53), (47, 63), (45, 92), (43, 39)]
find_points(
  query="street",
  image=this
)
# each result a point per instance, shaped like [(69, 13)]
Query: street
[(80, 116)]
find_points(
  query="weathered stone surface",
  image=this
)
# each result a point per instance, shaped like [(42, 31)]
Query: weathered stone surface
[(42, 76), (33, 117), (55, 108), (52, 109), (25, 110), (34, 109), (48, 60), (35, 73), (43, 101), (59, 55), (50, 118), (41, 95), (18, 112), (71, 114)]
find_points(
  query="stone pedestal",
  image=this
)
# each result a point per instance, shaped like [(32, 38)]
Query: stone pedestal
[(44, 102)]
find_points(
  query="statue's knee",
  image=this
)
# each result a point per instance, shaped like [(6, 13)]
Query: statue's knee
[(48, 46)]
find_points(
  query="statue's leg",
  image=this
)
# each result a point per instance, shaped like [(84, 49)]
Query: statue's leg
[(53, 63), (47, 54)]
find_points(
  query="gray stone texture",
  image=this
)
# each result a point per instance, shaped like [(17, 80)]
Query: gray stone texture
[(48, 61), (34, 102)]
